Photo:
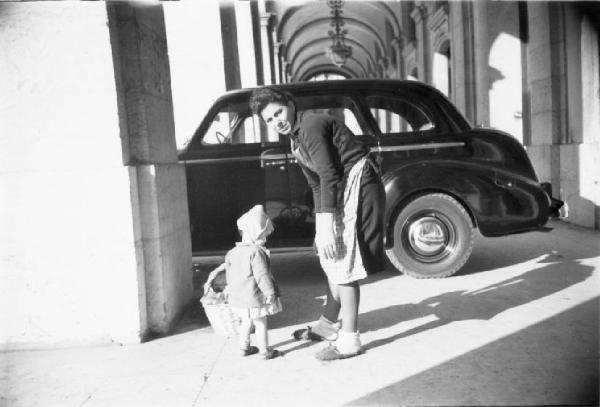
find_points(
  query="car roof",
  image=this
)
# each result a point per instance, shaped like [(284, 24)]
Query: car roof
[(408, 88), (342, 84)]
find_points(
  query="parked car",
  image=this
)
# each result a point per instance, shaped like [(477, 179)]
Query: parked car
[(442, 176)]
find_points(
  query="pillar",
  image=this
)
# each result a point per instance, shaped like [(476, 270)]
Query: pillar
[(460, 16), (277, 62), (397, 47), (266, 40), (158, 188), (480, 61), (424, 51), (196, 59), (246, 45)]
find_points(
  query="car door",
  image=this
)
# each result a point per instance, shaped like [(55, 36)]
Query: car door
[(231, 165)]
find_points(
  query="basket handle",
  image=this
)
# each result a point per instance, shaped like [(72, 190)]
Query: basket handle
[(213, 274)]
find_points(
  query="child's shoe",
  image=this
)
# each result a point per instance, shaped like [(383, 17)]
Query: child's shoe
[(248, 350), (270, 354)]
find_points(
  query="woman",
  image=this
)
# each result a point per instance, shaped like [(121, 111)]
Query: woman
[(349, 201)]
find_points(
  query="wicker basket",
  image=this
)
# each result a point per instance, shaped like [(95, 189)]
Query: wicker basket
[(220, 315)]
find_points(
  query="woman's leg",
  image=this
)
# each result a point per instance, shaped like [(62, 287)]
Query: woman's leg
[(348, 342), (349, 300), (332, 308), (261, 334), (326, 328)]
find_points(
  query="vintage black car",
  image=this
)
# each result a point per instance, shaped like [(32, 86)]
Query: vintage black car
[(442, 176)]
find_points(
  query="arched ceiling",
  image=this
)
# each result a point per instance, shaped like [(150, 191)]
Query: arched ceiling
[(302, 29)]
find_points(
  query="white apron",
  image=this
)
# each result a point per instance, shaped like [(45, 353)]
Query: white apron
[(348, 264)]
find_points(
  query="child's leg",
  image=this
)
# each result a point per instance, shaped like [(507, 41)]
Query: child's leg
[(262, 339), (244, 335), (261, 334)]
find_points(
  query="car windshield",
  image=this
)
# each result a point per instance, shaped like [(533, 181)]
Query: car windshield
[(235, 124)]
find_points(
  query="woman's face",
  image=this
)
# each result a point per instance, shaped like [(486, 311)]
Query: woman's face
[(278, 117)]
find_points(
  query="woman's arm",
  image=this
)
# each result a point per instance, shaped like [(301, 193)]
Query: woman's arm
[(318, 143), (319, 146)]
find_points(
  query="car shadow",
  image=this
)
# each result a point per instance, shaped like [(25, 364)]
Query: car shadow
[(481, 304)]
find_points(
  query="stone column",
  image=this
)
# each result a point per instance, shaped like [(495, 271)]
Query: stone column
[(480, 60), (545, 131), (267, 48), (158, 188), (277, 63), (424, 51), (284, 71), (397, 46), (460, 15), (245, 44)]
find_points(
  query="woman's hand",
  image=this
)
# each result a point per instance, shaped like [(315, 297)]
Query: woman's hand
[(325, 236)]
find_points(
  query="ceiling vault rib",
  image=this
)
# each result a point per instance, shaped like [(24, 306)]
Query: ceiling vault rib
[(298, 74), (328, 68), (350, 41), (318, 21)]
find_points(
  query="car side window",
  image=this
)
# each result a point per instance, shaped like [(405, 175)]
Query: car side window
[(234, 124), (395, 115), (341, 107)]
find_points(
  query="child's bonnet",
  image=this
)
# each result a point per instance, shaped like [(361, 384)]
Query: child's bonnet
[(255, 226)]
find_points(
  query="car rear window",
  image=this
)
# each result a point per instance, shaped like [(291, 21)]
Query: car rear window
[(396, 115), (339, 106)]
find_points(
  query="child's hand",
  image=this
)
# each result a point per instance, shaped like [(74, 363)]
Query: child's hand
[(269, 299)]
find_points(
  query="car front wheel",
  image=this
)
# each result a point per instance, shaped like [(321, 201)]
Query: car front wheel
[(433, 237)]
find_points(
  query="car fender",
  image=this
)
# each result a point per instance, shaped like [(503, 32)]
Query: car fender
[(498, 201)]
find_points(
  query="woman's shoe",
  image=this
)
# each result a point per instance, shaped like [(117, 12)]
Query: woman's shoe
[(307, 334), (332, 353)]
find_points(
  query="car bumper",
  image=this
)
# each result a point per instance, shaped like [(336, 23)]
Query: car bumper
[(555, 204)]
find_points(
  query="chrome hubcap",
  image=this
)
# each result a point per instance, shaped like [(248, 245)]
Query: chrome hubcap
[(430, 237)]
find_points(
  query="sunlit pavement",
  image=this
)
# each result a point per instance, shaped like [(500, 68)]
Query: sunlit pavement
[(518, 326)]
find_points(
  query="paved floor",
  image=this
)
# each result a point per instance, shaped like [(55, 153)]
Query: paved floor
[(518, 326)]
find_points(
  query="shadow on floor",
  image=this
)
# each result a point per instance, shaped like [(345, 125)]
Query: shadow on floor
[(482, 304), (302, 284), (554, 362)]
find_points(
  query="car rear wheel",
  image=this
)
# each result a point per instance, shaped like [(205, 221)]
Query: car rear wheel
[(433, 237)]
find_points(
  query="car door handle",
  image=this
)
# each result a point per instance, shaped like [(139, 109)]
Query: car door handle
[(272, 158), (504, 182)]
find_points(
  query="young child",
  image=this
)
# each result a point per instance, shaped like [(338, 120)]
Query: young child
[(253, 293)]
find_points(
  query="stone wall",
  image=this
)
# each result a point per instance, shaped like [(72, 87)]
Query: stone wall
[(563, 78), (68, 267)]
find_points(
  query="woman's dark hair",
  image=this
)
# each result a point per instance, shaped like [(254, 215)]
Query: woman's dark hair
[(261, 97)]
